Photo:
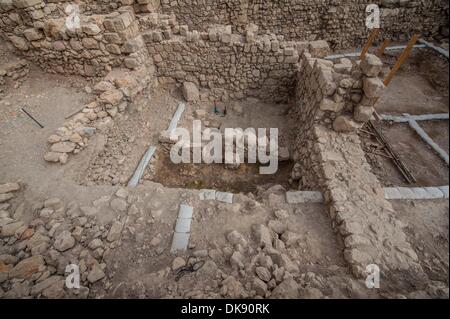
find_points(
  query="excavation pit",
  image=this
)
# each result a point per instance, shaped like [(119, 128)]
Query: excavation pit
[(245, 177)]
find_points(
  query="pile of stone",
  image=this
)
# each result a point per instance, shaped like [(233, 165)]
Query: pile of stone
[(16, 70), (35, 255), (113, 95), (338, 95), (224, 65), (91, 48)]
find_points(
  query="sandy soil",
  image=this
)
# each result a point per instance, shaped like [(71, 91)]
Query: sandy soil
[(420, 87), (426, 166), (427, 225)]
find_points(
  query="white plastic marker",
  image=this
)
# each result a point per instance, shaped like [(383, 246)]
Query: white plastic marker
[(134, 181), (182, 232), (406, 117), (435, 48), (443, 154), (176, 117), (299, 197), (401, 193)]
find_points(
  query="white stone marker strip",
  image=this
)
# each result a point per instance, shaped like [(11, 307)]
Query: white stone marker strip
[(444, 190), (207, 194), (182, 232), (391, 193), (183, 225), (406, 117), (224, 197), (443, 154), (176, 117), (134, 181), (304, 197), (185, 212), (436, 48), (180, 242), (357, 54)]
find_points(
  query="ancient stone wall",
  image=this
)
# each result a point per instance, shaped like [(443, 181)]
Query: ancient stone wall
[(93, 49), (341, 23), (361, 216), (226, 65), (338, 95)]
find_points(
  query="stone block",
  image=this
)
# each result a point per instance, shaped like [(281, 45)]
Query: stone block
[(303, 197), (345, 123), (190, 92), (371, 65), (224, 197), (26, 3), (363, 113), (319, 49), (32, 34), (373, 87)]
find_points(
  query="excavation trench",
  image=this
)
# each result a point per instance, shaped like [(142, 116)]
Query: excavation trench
[(245, 177)]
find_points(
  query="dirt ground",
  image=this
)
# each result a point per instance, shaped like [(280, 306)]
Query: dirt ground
[(420, 86), (427, 225), (426, 166), (118, 153)]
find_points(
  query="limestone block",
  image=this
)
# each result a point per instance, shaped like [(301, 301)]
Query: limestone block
[(363, 113), (373, 87), (190, 92), (371, 65)]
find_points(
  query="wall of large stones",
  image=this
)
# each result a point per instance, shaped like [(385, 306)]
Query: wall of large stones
[(38, 30), (338, 95), (227, 66), (341, 23)]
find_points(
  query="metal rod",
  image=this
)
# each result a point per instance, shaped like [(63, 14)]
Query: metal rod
[(31, 117), (74, 113)]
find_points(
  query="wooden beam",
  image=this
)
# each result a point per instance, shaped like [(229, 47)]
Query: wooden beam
[(383, 47), (405, 54), (373, 35)]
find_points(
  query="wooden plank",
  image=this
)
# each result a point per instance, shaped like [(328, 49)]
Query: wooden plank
[(405, 54), (373, 35), (383, 47)]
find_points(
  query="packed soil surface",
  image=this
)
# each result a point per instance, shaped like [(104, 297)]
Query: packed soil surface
[(246, 178), (250, 113), (426, 166), (427, 230), (419, 87)]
